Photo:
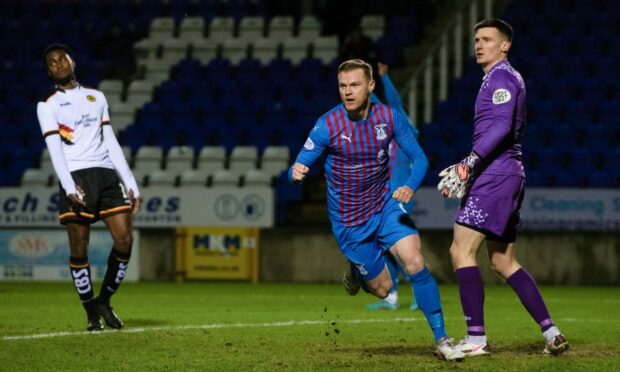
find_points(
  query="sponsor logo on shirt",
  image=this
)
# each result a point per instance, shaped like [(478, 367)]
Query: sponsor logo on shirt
[(501, 96), (65, 104), (91, 98), (381, 155), (86, 120), (379, 128), (346, 138), (309, 145)]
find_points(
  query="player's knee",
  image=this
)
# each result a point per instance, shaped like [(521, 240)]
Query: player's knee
[(124, 243), (382, 292), (460, 251), (502, 265), (381, 289), (78, 246), (414, 265)]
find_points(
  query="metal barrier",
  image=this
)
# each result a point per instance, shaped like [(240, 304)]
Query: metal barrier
[(434, 85)]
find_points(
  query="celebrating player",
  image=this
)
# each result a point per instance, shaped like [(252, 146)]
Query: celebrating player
[(491, 181), (367, 219), (86, 157)]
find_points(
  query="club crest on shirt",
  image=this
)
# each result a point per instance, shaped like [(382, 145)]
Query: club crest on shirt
[(91, 98), (309, 145), (501, 96), (379, 128)]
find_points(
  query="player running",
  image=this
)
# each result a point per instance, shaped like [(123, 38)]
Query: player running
[(367, 219)]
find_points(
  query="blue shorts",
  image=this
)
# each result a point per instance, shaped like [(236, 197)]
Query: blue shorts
[(365, 244)]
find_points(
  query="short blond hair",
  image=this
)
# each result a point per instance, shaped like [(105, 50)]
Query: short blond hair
[(354, 64)]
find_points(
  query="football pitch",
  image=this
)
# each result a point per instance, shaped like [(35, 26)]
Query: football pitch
[(238, 326)]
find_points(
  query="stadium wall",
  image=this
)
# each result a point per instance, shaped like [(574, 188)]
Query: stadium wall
[(310, 254), (555, 258)]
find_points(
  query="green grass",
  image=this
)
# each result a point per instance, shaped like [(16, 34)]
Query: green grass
[(240, 329)]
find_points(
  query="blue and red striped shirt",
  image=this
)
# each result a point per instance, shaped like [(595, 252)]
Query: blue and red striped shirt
[(357, 162)]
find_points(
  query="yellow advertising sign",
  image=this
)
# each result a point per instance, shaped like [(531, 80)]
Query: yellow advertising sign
[(217, 253)]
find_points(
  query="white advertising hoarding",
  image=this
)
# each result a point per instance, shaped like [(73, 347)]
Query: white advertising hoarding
[(543, 209), (43, 254), (161, 207)]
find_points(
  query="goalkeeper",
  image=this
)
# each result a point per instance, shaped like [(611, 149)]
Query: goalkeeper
[(491, 183)]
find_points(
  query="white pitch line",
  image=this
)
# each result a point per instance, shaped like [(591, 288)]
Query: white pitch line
[(289, 323), (211, 326)]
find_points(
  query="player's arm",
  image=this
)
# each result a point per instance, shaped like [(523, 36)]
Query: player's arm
[(317, 141), (503, 97), (457, 178), (51, 133), (118, 160), (409, 145)]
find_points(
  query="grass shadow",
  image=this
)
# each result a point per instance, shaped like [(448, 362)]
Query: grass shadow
[(132, 322), (394, 350)]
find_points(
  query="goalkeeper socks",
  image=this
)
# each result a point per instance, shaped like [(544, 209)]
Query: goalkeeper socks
[(551, 333), (471, 291), (80, 274), (427, 295), (117, 266), (525, 287)]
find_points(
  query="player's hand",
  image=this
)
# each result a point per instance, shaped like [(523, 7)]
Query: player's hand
[(135, 202), (382, 68), (456, 179), (76, 200), (299, 172), (403, 194)]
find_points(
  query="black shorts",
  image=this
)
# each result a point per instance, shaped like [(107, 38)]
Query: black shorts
[(105, 195)]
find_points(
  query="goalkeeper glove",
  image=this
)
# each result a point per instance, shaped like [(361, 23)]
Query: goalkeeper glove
[(456, 179)]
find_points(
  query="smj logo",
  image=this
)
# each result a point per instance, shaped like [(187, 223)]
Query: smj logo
[(30, 246)]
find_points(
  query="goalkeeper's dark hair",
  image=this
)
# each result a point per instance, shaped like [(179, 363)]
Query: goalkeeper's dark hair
[(354, 64), (53, 47), (502, 26)]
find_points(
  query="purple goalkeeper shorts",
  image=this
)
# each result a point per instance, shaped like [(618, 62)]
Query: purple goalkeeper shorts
[(492, 206)]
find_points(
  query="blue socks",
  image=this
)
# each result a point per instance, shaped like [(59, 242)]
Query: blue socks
[(427, 296)]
